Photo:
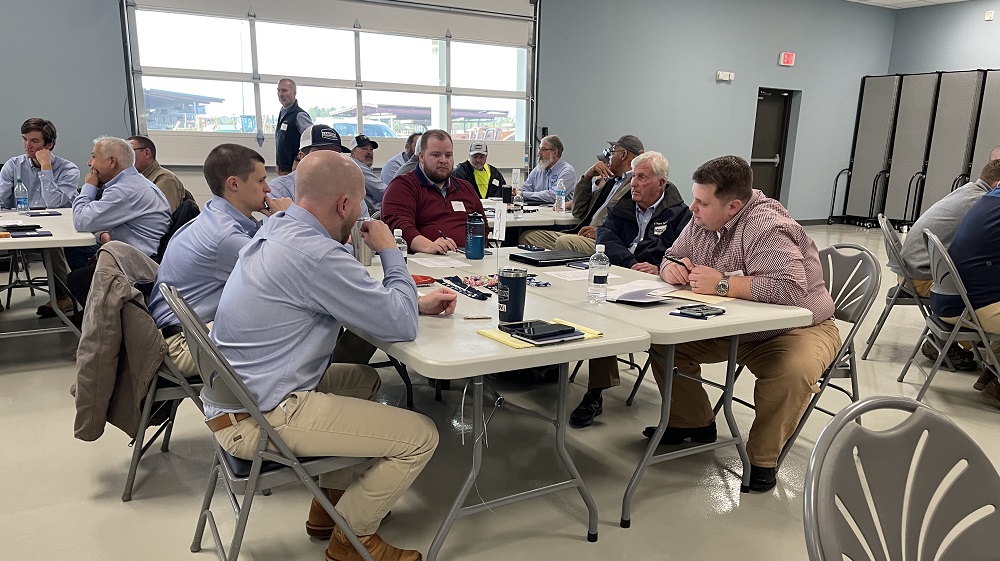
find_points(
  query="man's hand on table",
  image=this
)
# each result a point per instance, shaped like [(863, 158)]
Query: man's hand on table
[(441, 301)]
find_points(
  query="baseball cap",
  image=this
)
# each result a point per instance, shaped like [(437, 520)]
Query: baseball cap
[(478, 148), (629, 142), (362, 140), (320, 135)]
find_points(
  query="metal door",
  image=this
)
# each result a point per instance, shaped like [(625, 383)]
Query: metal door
[(770, 137)]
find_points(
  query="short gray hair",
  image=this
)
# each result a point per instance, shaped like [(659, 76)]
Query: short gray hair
[(555, 142), (658, 163), (117, 148)]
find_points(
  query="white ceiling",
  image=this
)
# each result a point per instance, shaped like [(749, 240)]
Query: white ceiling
[(900, 4)]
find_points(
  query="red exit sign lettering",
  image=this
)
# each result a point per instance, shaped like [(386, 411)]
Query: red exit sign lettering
[(787, 59)]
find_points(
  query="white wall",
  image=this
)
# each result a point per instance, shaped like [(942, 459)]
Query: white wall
[(647, 67)]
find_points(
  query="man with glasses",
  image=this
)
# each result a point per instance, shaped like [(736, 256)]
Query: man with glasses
[(540, 186), (146, 164), (598, 189), (363, 153)]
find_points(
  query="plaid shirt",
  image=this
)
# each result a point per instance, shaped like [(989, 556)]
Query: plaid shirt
[(764, 242)]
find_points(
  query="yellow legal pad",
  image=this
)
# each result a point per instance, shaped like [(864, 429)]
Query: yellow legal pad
[(510, 341)]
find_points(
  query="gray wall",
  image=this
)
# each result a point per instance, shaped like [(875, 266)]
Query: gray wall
[(62, 61), (651, 72), (946, 37)]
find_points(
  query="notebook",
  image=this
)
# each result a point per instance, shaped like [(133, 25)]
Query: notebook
[(548, 258)]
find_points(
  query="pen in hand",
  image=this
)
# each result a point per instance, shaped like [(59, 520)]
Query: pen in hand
[(678, 261)]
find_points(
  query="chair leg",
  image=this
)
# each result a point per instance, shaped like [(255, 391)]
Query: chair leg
[(27, 273), (206, 505), (572, 377), (137, 444), (878, 326), (405, 376), (171, 419), (916, 349)]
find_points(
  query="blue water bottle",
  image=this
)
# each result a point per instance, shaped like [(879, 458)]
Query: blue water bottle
[(475, 236)]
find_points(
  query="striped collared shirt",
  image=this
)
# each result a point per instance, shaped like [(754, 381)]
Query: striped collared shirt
[(764, 242)]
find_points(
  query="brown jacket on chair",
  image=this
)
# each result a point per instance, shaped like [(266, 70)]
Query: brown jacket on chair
[(120, 349)]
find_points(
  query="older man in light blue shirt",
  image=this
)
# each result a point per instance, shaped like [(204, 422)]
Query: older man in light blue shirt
[(295, 284), (392, 166), (540, 186), (202, 254)]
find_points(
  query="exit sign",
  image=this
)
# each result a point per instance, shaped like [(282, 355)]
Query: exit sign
[(787, 59)]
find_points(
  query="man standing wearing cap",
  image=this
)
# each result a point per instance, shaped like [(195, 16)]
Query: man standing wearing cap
[(363, 152), (593, 199), (486, 178), (292, 120), (314, 137)]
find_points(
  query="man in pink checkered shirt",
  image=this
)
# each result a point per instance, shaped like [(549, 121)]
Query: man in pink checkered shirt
[(743, 244)]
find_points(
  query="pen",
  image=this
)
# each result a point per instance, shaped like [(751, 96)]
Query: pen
[(267, 207), (441, 234), (679, 262)]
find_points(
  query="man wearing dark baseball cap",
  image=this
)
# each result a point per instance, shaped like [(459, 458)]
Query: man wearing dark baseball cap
[(314, 137), (487, 179), (363, 152)]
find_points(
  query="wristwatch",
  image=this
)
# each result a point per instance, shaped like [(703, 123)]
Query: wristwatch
[(722, 289)]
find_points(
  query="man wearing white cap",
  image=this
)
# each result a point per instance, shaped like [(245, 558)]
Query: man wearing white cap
[(487, 179), (314, 137), (363, 152)]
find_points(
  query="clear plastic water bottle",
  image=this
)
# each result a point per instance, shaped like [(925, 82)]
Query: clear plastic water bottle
[(400, 242), (560, 204), (20, 195), (597, 290), (518, 204)]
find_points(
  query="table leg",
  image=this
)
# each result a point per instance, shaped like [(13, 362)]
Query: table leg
[(478, 428), (47, 259), (562, 419), (667, 363), (727, 409)]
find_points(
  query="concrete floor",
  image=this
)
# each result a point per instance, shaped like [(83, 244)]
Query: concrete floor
[(62, 496)]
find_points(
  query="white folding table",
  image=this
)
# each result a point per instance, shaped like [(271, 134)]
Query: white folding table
[(63, 235)]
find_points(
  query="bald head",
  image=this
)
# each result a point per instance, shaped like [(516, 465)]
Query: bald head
[(331, 187)]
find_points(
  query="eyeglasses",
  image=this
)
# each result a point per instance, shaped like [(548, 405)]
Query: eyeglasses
[(543, 149)]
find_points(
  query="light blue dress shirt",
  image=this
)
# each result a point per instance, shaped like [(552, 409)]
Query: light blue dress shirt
[(390, 167), (540, 186), (292, 289), (132, 210), (53, 188), (200, 258), (374, 187)]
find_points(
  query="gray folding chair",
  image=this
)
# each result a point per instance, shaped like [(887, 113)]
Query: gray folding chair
[(904, 293), (922, 490), (940, 333), (167, 390), (853, 280), (273, 463)]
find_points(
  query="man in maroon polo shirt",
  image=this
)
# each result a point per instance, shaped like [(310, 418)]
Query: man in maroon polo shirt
[(429, 205)]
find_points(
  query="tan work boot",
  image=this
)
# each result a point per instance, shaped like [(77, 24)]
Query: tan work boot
[(341, 550), (320, 525), (46, 311)]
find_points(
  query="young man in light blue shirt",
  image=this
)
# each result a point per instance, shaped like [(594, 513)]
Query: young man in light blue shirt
[(203, 252), (295, 284)]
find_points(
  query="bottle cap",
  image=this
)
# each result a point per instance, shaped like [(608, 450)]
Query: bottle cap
[(397, 233), (600, 248)]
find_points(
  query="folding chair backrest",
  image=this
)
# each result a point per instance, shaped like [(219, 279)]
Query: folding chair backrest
[(946, 278), (893, 245), (223, 388), (921, 490), (853, 280)]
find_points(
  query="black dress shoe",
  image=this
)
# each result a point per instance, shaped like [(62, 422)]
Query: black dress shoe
[(674, 435), (591, 406), (762, 479)]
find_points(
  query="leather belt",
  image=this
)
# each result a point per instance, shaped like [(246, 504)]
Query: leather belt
[(171, 330), (225, 420)]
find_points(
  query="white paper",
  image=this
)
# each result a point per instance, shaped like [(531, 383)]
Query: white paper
[(438, 262), (651, 285), (576, 275)]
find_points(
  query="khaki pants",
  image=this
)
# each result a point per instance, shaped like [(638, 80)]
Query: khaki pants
[(787, 366), (338, 419), (541, 238), (923, 287), (989, 318), (180, 353), (573, 242)]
